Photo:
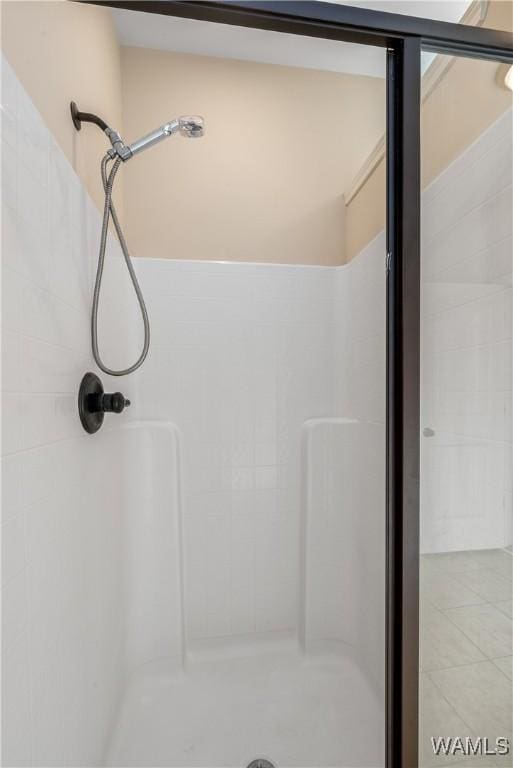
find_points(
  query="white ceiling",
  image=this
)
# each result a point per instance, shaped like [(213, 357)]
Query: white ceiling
[(169, 33), (441, 10)]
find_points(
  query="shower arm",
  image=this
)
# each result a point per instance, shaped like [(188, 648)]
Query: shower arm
[(79, 117), (119, 148)]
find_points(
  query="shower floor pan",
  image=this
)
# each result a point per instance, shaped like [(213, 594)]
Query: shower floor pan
[(224, 710)]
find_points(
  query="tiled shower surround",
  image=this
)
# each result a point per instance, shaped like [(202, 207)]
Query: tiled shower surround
[(181, 526), (241, 354), (62, 493)]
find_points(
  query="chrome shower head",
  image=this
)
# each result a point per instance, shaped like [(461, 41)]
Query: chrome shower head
[(191, 126)]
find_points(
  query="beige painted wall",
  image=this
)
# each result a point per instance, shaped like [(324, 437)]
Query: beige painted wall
[(466, 101), (63, 51), (266, 181)]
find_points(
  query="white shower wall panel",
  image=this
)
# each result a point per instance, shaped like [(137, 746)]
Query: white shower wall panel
[(62, 504), (153, 549), (359, 314), (467, 268), (344, 542), (241, 355)]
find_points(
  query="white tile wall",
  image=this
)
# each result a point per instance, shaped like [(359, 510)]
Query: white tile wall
[(62, 590), (152, 541), (344, 500), (467, 265), (359, 317), (344, 542), (241, 355)]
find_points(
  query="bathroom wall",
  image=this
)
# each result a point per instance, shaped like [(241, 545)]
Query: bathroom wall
[(467, 264), (153, 543), (360, 325), (450, 111), (343, 544), (249, 177), (353, 473), (241, 355), (62, 490), (64, 51)]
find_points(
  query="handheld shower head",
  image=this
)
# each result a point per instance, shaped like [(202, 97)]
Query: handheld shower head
[(191, 126)]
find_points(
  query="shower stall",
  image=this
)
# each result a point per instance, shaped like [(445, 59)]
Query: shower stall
[(226, 573)]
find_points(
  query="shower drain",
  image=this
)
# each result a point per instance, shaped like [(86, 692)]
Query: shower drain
[(261, 762)]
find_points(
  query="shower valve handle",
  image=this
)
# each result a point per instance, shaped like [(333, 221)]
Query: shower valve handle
[(114, 403), (94, 403)]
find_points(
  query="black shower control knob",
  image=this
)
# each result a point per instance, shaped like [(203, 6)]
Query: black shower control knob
[(94, 403), (114, 403), (119, 403)]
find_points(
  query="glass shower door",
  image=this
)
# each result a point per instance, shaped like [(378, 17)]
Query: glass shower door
[(466, 414)]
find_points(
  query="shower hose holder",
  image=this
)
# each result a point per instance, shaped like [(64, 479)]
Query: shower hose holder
[(94, 403)]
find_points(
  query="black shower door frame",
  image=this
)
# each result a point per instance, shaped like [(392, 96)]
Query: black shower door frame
[(403, 37)]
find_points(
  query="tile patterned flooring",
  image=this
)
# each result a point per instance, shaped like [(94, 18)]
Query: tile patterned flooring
[(466, 620)]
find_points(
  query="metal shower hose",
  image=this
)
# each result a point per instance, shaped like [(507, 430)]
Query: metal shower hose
[(110, 211)]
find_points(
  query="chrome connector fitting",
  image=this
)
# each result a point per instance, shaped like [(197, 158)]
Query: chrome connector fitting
[(119, 148)]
